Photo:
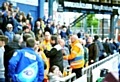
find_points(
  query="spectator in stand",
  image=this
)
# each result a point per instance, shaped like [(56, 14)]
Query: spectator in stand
[(63, 33), (54, 74), (27, 30), (10, 48), (7, 19), (28, 24), (39, 35), (93, 51), (65, 51), (45, 20), (49, 19), (86, 56), (4, 6), (20, 18), (112, 46), (46, 41), (56, 71), (38, 26), (100, 46), (3, 41), (30, 18), (64, 25), (17, 10), (68, 43), (10, 7), (42, 26), (76, 56), (23, 16), (107, 47), (53, 28), (34, 64), (10, 20), (4, 9), (59, 38), (25, 37), (116, 44), (47, 28), (58, 29), (9, 32), (55, 54), (69, 31)]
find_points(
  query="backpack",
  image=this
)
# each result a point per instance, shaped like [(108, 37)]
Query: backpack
[(103, 73)]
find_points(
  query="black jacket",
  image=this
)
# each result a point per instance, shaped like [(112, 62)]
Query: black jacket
[(47, 29), (56, 56), (107, 48), (9, 50), (93, 52)]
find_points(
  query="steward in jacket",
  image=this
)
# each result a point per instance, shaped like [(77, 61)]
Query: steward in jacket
[(26, 65), (76, 57)]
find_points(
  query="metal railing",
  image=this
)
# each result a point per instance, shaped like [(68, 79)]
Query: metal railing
[(83, 78), (87, 73), (69, 78), (88, 70)]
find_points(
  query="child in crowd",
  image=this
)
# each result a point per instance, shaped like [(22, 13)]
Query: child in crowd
[(55, 70), (54, 74)]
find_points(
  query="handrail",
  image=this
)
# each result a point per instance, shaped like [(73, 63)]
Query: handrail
[(88, 70), (99, 62), (68, 78)]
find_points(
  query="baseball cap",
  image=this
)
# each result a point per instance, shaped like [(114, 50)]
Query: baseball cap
[(9, 25)]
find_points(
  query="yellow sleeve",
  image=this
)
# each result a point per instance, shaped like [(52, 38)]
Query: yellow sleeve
[(45, 60), (73, 54)]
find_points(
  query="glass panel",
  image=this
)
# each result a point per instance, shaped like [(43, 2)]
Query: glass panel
[(105, 1), (116, 1), (93, 0)]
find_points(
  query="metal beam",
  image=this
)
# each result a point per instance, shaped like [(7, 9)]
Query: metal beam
[(103, 29), (41, 8), (50, 8), (116, 20), (112, 27)]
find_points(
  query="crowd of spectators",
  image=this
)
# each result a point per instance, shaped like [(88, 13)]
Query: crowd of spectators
[(45, 47)]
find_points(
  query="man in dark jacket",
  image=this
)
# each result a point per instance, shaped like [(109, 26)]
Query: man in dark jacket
[(9, 50), (93, 51), (55, 54), (100, 47), (107, 47), (47, 28)]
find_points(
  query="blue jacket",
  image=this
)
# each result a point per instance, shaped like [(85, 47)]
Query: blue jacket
[(10, 35), (23, 58), (63, 34)]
